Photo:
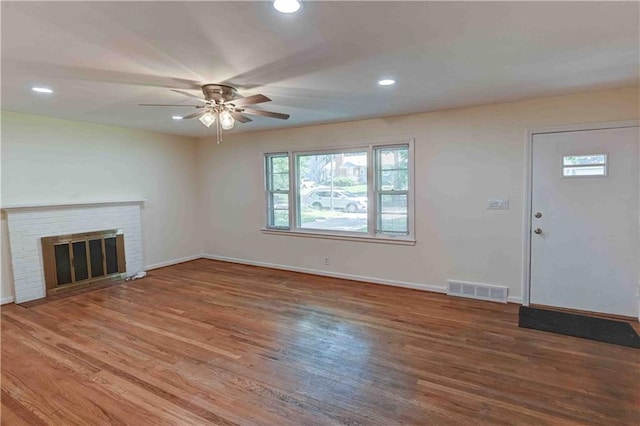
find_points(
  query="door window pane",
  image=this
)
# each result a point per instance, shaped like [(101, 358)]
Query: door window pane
[(584, 165), (583, 160)]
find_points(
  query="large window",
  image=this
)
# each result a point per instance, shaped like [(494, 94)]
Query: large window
[(359, 192)]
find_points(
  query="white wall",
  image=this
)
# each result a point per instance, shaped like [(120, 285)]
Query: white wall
[(52, 160), (462, 158)]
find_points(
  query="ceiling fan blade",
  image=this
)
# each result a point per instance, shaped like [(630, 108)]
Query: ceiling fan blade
[(249, 100), (241, 118), (172, 105), (36, 68), (193, 115), (189, 94), (265, 113)]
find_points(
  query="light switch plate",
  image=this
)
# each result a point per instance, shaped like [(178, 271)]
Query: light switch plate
[(498, 204)]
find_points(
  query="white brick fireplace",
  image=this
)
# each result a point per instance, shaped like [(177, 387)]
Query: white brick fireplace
[(27, 224)]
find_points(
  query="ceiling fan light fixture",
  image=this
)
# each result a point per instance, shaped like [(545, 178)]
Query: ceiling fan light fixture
[(286, 6), (226, 120), (207, 119), (222, 107)]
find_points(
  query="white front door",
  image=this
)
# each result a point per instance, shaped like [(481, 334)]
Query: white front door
[(585, 220)]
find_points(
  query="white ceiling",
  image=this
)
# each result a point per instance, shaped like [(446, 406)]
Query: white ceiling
[(319, 65)]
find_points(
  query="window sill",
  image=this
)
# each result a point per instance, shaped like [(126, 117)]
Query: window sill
[(379, 240)]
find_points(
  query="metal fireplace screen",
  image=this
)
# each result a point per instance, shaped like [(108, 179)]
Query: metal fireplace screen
[(78, 260)]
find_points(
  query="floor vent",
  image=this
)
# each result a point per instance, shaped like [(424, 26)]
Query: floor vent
[(492, 293)]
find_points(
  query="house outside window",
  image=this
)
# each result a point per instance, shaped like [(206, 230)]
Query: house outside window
[(361, 192)]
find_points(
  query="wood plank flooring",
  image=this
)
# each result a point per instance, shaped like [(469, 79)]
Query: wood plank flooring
[(208, 342)]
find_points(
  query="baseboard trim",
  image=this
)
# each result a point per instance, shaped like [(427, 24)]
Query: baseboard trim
[(5, 300), (361, 278), (394, 283), (10, 299), (515, 299), (173, 262)]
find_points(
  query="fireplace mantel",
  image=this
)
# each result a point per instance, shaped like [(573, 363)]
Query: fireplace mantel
[(67, 204)]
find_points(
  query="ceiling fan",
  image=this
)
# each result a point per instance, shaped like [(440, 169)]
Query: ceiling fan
[(221, 106)]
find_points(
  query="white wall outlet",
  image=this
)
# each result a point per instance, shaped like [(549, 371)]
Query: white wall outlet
[(498, 204), (326, 260)]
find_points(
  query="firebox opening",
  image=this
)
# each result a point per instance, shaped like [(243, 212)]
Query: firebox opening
[(79, 260)]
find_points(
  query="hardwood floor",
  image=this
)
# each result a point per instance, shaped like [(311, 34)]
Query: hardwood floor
[(208, 342)]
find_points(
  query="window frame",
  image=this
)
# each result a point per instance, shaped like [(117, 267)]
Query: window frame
[(269, 191), (378, 192), (372, 234)]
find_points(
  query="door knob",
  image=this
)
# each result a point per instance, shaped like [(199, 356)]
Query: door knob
[(538, 231), (538, 215)]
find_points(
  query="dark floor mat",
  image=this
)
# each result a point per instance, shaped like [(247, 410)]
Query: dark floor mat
[(593, 328)]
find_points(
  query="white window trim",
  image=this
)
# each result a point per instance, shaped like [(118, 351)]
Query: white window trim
[(342, 236), (374, 193), (370, 235), (268, 190)]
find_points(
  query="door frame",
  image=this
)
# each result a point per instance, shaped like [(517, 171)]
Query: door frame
[(528, 187)]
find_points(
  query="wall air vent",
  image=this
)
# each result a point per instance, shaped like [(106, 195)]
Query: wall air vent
[(492, 293)]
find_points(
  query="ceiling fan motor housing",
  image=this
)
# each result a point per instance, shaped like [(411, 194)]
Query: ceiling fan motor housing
[(218, 92)]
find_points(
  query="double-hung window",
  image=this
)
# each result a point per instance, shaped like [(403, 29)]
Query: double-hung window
[(277, 167), (392, 190), (360, 192)]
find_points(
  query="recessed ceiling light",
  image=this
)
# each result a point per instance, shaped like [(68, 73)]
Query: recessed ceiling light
[(386, 82), (176, 117), (41, 90), (286, 6)]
